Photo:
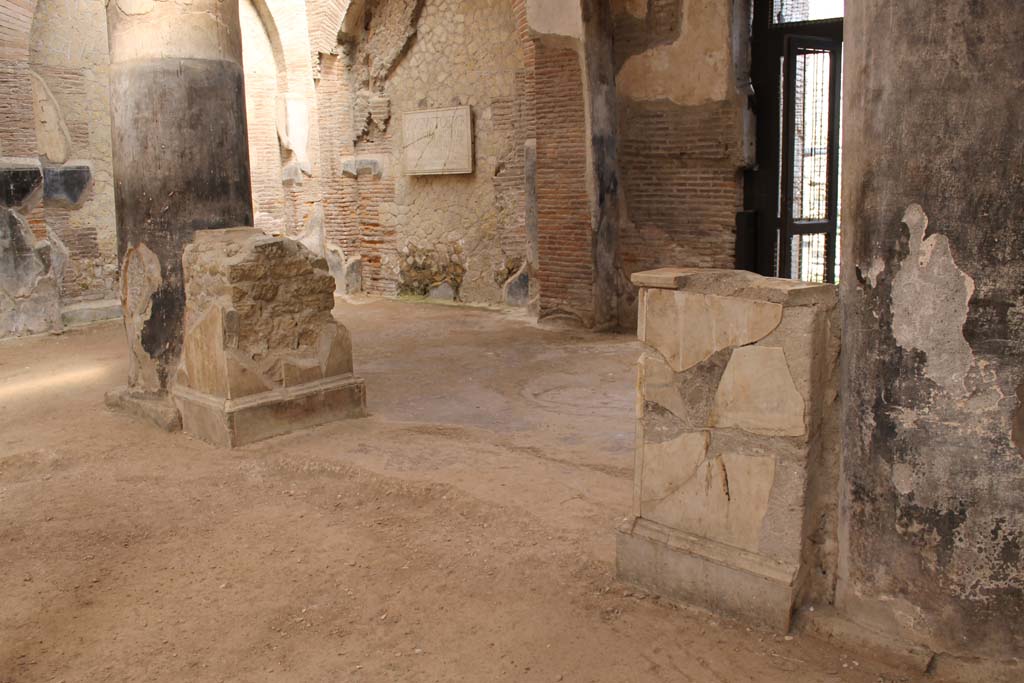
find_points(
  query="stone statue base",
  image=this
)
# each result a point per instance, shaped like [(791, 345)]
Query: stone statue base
[(262, 355), (735, 498)]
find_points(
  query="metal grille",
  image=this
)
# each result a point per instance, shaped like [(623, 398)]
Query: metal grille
[(809, 261), (810, 162), (810, 183), (788, 11)]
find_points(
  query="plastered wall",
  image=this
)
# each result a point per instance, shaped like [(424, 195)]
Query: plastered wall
[(69, 68), (933, 483)]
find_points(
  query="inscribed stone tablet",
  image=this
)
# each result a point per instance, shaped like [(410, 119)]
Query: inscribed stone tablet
[(436, 141)]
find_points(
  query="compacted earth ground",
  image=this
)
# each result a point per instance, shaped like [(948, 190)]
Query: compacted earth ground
[(463, 532)]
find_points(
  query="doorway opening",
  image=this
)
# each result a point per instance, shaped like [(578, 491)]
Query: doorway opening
[(794, 189)]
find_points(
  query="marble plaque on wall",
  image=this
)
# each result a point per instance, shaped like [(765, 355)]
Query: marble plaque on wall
[(437, 141)]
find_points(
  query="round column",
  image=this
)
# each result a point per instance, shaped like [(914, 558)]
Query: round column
[(180, 158), (932, 288)]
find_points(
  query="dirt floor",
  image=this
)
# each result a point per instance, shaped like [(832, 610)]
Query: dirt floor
[(463, 532)]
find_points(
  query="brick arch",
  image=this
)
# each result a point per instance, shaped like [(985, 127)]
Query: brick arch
[(274, 35)]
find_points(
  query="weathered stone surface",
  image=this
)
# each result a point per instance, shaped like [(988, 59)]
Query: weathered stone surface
[(52, 137), (353, 275), (757, 394), (738, 284), (688, 328), (687, 395), (158, 409), (29, 276), (517, 288), (87, 312), (335, 351), (353, 167), (695, 570), (140, 280), (442, 291), (66, 185), (262, 354)]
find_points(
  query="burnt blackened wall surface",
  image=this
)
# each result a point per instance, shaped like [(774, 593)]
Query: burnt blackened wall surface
[(599, 60), (180, 165), (932, 521)]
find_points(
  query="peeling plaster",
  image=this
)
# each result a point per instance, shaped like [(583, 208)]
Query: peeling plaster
[(135, 6), (872, 273), (140, 280), (52, 136), (555, 17), (695, 69), (930, 298)]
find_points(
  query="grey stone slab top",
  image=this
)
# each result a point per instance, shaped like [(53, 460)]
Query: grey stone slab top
[(738, 283)]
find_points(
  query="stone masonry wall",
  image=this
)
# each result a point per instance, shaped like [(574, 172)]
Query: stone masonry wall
[(262, 353), (272, 298), (420, 54)]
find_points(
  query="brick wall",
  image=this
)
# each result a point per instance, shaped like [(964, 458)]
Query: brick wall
[(340, 196), (290, 37), (465, 52), (566, 268), (17, 123), (377, 233), (680, 162), (68, 51), (681, 183), (261, 90)]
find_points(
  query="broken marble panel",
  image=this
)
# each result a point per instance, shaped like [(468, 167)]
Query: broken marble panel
[(141, 277), (723, 497), (66, 185), (686, 395), (757, 394), (21, 182), (689, 328)]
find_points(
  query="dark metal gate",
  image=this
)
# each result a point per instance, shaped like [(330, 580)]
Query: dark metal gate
[(794, 190)]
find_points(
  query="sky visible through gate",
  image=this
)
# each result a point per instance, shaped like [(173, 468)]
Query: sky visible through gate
[(807, 10)]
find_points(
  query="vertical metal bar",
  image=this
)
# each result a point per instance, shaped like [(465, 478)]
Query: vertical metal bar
[(788, 141), (832, 190)]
